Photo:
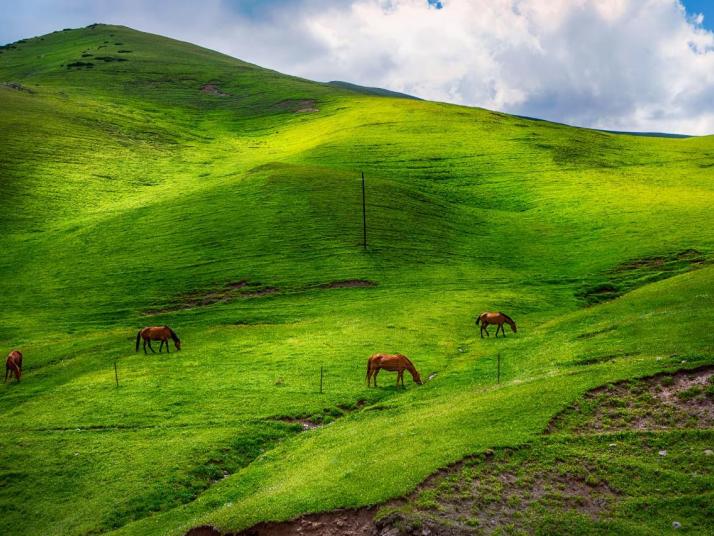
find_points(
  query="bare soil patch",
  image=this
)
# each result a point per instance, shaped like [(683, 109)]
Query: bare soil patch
[(665, 401), (461, 502), (231, 291), (328, 415), (307, 424), (337, 523), (213, 89), (638, 272)]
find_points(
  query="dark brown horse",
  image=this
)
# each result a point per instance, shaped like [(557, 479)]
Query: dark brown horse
[(486, 319), (157, 333), (13, 365), (394, 363)]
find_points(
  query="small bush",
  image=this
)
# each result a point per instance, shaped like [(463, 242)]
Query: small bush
[(108, 59), (80, 64)]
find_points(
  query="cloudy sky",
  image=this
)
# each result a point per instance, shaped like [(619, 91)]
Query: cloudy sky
[(644, 65)]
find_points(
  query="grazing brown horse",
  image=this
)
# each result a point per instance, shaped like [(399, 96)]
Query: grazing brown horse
[(13, 365), (485, 319), (157, 333), (394, 363)]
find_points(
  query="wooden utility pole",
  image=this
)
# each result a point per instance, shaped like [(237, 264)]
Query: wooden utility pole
[(364, 216)]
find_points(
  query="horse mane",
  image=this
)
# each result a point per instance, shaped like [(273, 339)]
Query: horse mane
[(504, 315), (409, 362), (173, 334)]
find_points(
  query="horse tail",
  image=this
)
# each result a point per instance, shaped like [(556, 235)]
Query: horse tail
[(138, 338), (478, 320), (369, 367)]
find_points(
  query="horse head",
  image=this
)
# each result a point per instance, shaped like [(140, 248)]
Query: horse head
[(417, 377)]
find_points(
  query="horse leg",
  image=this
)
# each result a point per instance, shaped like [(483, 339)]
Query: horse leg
[(161, 345), (144, 346), (375, 376), (168, 351), (7, 370), (503, 331), (150, 348)]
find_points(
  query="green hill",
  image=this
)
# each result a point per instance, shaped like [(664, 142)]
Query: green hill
[(145, 181)]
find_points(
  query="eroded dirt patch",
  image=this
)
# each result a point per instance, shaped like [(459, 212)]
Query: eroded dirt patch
[(337, 523), (638, 272), (326, 416), (484, 496), (213, 89), (307, 424), (232, 291), (679, 401)]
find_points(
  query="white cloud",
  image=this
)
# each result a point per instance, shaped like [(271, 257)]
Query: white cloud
[(619, 64), (623, 64)]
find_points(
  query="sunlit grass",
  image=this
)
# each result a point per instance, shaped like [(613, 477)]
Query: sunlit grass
[(125, 188)]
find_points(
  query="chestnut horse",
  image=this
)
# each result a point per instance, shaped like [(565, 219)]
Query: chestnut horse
[(13, 365), (157, 333), (392, 362), (485, 319)]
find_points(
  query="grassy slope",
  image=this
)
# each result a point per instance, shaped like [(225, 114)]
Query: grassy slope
[(124, 186), (628, 459)]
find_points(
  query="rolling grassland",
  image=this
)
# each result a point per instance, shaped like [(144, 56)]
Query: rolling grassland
[(146, 181)]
